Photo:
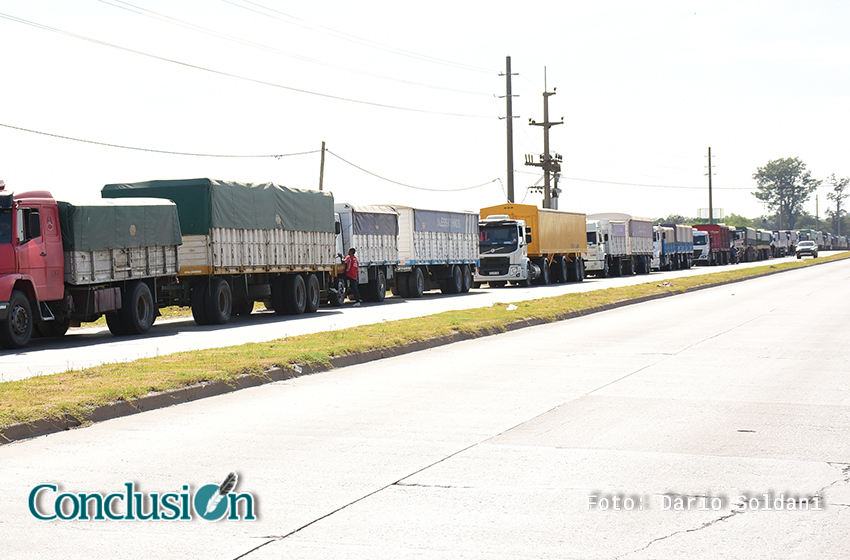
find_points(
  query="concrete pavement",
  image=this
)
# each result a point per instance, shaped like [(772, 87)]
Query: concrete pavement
[(495, 448)]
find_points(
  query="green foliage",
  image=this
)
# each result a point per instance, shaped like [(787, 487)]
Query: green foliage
[(785, 184), (837, 196)]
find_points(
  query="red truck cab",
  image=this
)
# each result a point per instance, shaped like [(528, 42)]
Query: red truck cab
[(31, 260)]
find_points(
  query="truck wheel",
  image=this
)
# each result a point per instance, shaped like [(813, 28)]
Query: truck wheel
[(604, 272), (138, 311), (53, 329), (378, 287), (199, 304), (294, 294), (313, 294), (454, 283), (580, 275), (16, 330), (219, 302), (402, 280), (336, 293), (416, 283), (115, 324), (467, 279), (543, 279), (559, 270)]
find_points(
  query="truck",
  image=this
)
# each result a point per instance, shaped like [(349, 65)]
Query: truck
[(783, 243), (746, 241), (393, 241), (247, 242), (629, 246), (683, 252), (67, 262), (702, 247), (524, 244), (663, 248), (719, 246)]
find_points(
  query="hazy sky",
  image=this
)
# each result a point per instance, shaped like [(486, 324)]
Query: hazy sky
[(410, 92)]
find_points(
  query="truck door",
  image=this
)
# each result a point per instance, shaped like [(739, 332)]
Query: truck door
[(39, 250)]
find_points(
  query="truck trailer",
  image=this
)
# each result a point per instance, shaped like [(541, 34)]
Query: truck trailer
[(64, 263), (523, 244), (247, 242), (683, 252), (629, 245)]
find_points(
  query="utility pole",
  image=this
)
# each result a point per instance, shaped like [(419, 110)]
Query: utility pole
[(547, 162), (710, 203), (510, 118), (322, 167), (817, 219)]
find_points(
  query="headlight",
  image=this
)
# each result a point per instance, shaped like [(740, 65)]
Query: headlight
[(513, 270)]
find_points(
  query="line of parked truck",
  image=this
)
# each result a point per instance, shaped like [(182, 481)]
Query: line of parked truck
[(218, 247)]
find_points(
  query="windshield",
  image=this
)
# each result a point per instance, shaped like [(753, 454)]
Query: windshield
[(497, 239), (700, 239), (591, 237), (5, 226), (807, 244)]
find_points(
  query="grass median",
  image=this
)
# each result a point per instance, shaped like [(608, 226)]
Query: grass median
[(75, 393)]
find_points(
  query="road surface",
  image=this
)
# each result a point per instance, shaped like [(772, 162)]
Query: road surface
[(503, 447)]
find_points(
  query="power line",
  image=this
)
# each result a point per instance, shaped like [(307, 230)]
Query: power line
[(152, 150), (188, 25), (236, 76), (406, 185), (292, 20)]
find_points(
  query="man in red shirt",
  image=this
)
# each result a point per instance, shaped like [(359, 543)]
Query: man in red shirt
[(351, 268)]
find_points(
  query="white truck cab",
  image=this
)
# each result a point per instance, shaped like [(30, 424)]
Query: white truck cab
[(503, 251)]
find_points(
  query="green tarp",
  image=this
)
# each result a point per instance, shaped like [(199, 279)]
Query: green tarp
[(208, 203), (112, 224)]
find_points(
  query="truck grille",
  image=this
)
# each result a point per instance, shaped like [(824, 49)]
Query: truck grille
[(494, 265)]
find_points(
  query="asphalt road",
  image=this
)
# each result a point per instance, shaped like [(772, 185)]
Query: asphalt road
[(93, 346), (500, 448)]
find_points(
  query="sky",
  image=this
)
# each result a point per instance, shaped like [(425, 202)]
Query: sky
[(408, 97)]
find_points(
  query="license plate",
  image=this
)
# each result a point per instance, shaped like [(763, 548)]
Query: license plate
[(493, 273)]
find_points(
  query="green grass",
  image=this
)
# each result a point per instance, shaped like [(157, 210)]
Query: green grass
[(76, 392)]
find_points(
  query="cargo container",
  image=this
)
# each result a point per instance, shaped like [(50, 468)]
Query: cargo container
[(629, 248), (523, 244), (373, 232), (747, 243), (247, 242), (435, 249), (64, 263), (719, 247)]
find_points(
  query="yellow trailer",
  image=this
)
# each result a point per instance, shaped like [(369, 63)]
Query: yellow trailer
[(521, 243)]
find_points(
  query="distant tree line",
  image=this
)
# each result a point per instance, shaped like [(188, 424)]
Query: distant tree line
[(784, 185)]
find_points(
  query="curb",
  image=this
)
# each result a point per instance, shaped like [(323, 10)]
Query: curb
[(153, 401)]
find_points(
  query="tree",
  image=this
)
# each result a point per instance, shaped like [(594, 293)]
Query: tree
[(784, 184), (837, 195)]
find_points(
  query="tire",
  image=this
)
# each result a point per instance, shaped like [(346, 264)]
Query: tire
[(454, 283), (219, 302), (378, 287), (402, 280), (53, 329), (115, 324), (336, 293), (559, 270), (139, 310), (416, 283), (199, 304), (313, 294), (16, 330), (604, 272), (580, 274), (543, 279), (294, 294), (466, 272)]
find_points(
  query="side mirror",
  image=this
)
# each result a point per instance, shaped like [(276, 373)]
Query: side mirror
[(337, 228)]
